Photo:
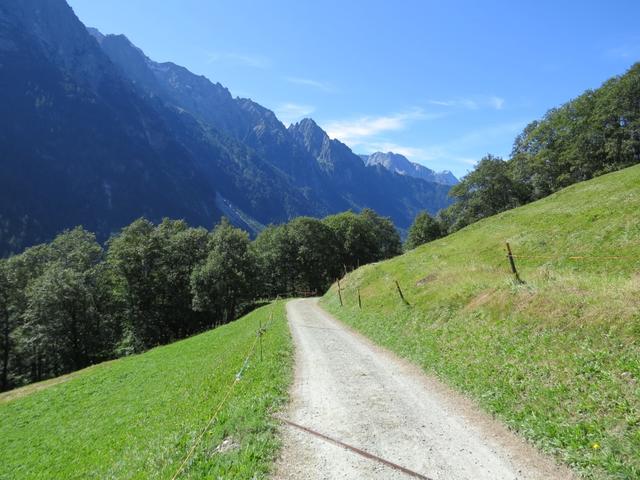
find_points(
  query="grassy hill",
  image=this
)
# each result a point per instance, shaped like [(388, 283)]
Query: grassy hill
[(137, 417), (557, 357)]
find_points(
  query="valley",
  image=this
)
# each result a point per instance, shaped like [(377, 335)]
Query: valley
[(312, 240)]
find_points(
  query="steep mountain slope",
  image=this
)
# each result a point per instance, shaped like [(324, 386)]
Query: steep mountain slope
[(400, 164), (139, 416), (556, 357), (262, 173), (212, 104), (328, 172), (79, 146)]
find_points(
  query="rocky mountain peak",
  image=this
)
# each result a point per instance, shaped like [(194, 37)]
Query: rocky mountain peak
[(97, 34), (392, 161), (401, 165), (309, 133)]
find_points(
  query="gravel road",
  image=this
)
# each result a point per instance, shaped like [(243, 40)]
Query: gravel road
[(353, 391)]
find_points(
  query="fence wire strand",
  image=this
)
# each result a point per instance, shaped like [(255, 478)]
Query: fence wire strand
[(225, 398)]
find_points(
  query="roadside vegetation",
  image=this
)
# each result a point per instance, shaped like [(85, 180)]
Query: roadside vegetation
[(138, 417), (556, 357)]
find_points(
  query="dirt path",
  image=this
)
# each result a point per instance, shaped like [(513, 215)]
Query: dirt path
[(352, 391)]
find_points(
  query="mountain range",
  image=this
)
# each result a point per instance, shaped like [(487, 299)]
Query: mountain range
[(401, 165), (94, 133)]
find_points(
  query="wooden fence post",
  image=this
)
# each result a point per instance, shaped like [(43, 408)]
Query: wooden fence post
[(512, 262), (260, 337), (400, 292), (359, 300), (339, 292)]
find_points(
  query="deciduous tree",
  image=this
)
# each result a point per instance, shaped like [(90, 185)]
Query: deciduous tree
[(423, 230)]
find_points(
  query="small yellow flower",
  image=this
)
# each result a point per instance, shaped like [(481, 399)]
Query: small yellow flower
[(596, 446)]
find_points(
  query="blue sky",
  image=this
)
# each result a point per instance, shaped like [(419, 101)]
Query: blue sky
[(443, 82)]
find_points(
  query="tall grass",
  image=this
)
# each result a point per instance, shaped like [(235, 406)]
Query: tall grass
[(137, 417)]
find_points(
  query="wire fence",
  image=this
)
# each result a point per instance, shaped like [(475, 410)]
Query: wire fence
[(511, 258), (577, 257), (227, 395)]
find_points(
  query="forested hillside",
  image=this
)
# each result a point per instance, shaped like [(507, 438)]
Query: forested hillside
[(595, 133), (72, 303)]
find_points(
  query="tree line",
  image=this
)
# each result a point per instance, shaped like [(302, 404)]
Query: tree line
[(593, 134), (73, 302)]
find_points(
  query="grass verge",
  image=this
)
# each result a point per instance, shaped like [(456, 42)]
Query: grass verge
[(558, 357), (137, 417)]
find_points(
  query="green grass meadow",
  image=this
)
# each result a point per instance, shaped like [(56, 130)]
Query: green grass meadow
[(137, 417), (558, 357)]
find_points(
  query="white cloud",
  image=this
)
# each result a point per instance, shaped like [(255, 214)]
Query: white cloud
[(458, 102), (366, 134), (244, 60), (357, 131), (409, 152), (472, 103), (497, 102), (292, 112), (325, 87)]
